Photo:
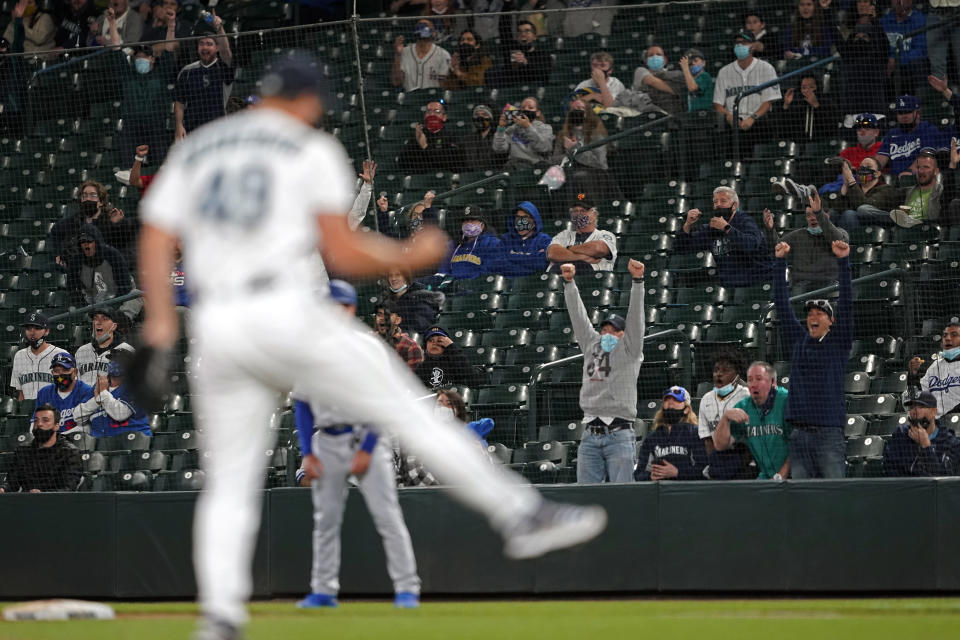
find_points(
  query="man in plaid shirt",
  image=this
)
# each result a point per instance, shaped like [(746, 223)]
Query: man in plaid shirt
[(388, 327)]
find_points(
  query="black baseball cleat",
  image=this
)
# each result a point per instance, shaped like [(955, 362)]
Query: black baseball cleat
[(553, 526), (217, 629)]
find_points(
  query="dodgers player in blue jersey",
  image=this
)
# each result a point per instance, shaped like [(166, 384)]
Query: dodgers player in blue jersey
[(66, 394)]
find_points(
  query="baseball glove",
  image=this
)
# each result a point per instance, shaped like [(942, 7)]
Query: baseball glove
[(148, 377)]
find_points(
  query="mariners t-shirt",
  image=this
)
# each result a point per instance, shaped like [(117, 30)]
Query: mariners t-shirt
[(31, 372), (767, 435), (712, 408), (203, 90)]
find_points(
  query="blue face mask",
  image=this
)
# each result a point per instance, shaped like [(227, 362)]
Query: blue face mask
[(655, 63), (142, 65), (950, 354), (741, 51), (608, 342), (815, 231), (695, 69), (726, 389)]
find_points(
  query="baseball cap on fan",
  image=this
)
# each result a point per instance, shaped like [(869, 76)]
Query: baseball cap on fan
[(293, 74)]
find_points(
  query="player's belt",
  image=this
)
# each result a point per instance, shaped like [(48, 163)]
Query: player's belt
[(597, 427), (338, 429)]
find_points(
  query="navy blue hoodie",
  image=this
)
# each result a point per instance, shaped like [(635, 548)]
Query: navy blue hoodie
[(524, 256), (904, 457), (741, 254), (817, 366), (681, 446)]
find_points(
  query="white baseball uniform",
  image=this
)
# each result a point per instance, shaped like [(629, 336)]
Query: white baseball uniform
[(243, 194), (32, 371), (91, 364)]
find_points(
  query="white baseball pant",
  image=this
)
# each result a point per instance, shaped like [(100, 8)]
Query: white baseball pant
[(251, 348)]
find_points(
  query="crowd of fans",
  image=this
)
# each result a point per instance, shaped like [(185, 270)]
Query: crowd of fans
[(896, 175)]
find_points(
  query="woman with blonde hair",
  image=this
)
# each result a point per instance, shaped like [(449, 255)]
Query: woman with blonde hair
[(673, 449)]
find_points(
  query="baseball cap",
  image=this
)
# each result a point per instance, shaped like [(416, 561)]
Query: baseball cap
[(922, 399), (744, 35), (866, 121), (35, 319), (694, 53), (435, 331), (145, 49), (293, 74), (906, 104), (64, 360), (483, 111), (677, 393), (582, 200), (473, 212), (114, 369), (110, 313), (821, 304), (85, 237), (616, 321), (342, 292)]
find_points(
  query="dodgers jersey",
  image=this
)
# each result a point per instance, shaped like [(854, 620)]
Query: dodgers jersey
[(242, 194)]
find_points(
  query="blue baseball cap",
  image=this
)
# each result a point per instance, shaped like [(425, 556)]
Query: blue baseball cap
[(906, 104), (293, 74), (435, 331), (114, 369), (677, 393), (615, 321), (866, 121), (64, 360), (342, 292)]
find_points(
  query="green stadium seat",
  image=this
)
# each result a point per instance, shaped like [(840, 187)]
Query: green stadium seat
[(544, 300), (489, 302), (184, 440), (93, 462), (885, 426), (506, 338), (466, 337), (559, 336), (499, 452), (892, 382), (532, 319), (552, 451), (739, 333), (566, 432)]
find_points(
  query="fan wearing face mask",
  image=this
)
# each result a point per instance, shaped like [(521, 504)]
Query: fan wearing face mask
[(585, 247), (524, 135), (869, 199), (942, 376), (672, 450), (735, 240), (612, 358), (605, 86), (746, 71), (433, 147), (93, 358), (468, 64), (698, 81), (921, 447), (666, 86), (414, 302), (728, 389), (477, 253), (812, 263), (31, 365), (49, 463), (524, 242), (450, 405), (67, 394)]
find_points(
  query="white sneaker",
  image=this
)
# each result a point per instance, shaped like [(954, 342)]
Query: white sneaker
[(903, 219), (553, 526)]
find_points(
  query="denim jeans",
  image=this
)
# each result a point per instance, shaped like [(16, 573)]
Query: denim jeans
[(606, 456), (939, 40), (866, 215), (818, 452)]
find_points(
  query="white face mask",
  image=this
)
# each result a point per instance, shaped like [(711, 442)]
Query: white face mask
[(443, 413)]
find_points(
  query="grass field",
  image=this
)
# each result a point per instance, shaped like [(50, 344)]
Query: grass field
[(873, 619)]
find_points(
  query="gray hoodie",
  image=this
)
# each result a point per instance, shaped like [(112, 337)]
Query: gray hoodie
[(609, 386), (531, 145)]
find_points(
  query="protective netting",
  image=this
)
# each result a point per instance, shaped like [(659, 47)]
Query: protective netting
[(503, 117)]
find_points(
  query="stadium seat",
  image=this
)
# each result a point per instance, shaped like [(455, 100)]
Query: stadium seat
[(152, 461), (856, 382), (538, 282), (856, 426), (82, 441), (466, 337), (884, 427), (882, 404), (737, 333), (132, 441), (559, 336), (859, 449), (553, 451), (506, 338), (499, 452), (466, 320), (532, 319), (568, 432), (544, 300), (185, 440), (892, 382), (93, 462), (488, 302)]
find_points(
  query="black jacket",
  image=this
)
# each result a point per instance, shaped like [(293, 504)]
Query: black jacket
[(535, 73), (115, 274), (444, 152), (55, 468), (418, 307), (447, 370)]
